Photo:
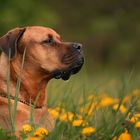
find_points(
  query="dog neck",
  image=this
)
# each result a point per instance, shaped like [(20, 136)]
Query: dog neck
[(33, 81)]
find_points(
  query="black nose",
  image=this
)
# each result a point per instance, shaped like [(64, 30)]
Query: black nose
[(77, 46)]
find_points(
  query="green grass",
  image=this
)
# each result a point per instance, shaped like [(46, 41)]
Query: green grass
[(108, 123), (72, 95)]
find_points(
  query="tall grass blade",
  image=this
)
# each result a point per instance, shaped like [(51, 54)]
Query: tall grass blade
[(18, 84), (8, 91)]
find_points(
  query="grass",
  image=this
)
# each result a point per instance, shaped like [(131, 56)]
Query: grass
[(8, 92), (108, 106), (102, 92)]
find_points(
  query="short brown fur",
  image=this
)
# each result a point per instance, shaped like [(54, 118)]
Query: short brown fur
[(40, 61)]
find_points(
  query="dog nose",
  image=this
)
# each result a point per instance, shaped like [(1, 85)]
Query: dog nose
[(77, 46)]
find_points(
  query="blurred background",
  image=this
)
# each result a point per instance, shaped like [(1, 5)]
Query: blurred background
[(109, 30)]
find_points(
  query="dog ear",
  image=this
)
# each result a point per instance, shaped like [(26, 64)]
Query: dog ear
[(9, 42)]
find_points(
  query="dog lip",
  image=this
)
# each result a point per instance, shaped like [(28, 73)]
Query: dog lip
[(78, 66), (57, 74), (65, 75)]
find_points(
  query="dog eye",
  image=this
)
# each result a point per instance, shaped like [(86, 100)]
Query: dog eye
[(49, 41)]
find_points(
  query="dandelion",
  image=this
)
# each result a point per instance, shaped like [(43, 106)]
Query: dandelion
[(134, 119), (87, 131), (135, 92), (26, 128), (41, 132), (125, 136), (77, 122), (137, 124), (126, 99), (35, 138), (53, 112), (122, 108), (137, 115), (66, 116), (106, 101)]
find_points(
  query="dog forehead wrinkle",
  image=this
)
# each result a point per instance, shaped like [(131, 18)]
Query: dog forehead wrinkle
[(38, 33), (41, 30)]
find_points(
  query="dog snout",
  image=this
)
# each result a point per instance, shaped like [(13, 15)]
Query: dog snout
[(77, 46)]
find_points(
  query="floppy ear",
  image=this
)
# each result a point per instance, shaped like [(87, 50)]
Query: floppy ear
[(9, 42)]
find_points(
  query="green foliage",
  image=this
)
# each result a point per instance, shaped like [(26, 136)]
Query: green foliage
[(24, 13), (6, 135), (73, 95), (109, 29)]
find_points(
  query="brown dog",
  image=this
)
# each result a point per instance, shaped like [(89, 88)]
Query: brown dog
[(46, 57)]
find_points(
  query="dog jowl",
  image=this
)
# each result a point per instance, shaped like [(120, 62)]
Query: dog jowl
[(47, 57)]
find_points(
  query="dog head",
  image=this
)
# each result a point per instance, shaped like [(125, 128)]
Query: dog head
[(45, 50)]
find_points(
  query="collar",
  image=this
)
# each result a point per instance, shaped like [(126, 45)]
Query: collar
[(19, 100)]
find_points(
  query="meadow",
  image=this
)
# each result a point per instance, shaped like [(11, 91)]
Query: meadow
[(100, 106)]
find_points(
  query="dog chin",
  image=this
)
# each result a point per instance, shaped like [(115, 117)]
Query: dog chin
[(65, 74)]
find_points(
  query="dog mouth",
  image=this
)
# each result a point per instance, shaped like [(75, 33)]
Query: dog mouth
[(65, 74)]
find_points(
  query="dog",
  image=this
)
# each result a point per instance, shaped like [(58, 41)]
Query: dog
[(45, 56)]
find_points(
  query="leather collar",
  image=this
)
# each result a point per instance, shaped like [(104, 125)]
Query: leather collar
[(19, 100)]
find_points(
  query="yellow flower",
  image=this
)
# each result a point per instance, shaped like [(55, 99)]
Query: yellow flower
[(26, 128), (137, 124), (41, 132), (134, 119), (136, 92), (122, 108), (88, 130), (34, 138), (126, 99), (66, 116), (125, 136), (53, 112), (137, 115), (106, 101), (77, 122)]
